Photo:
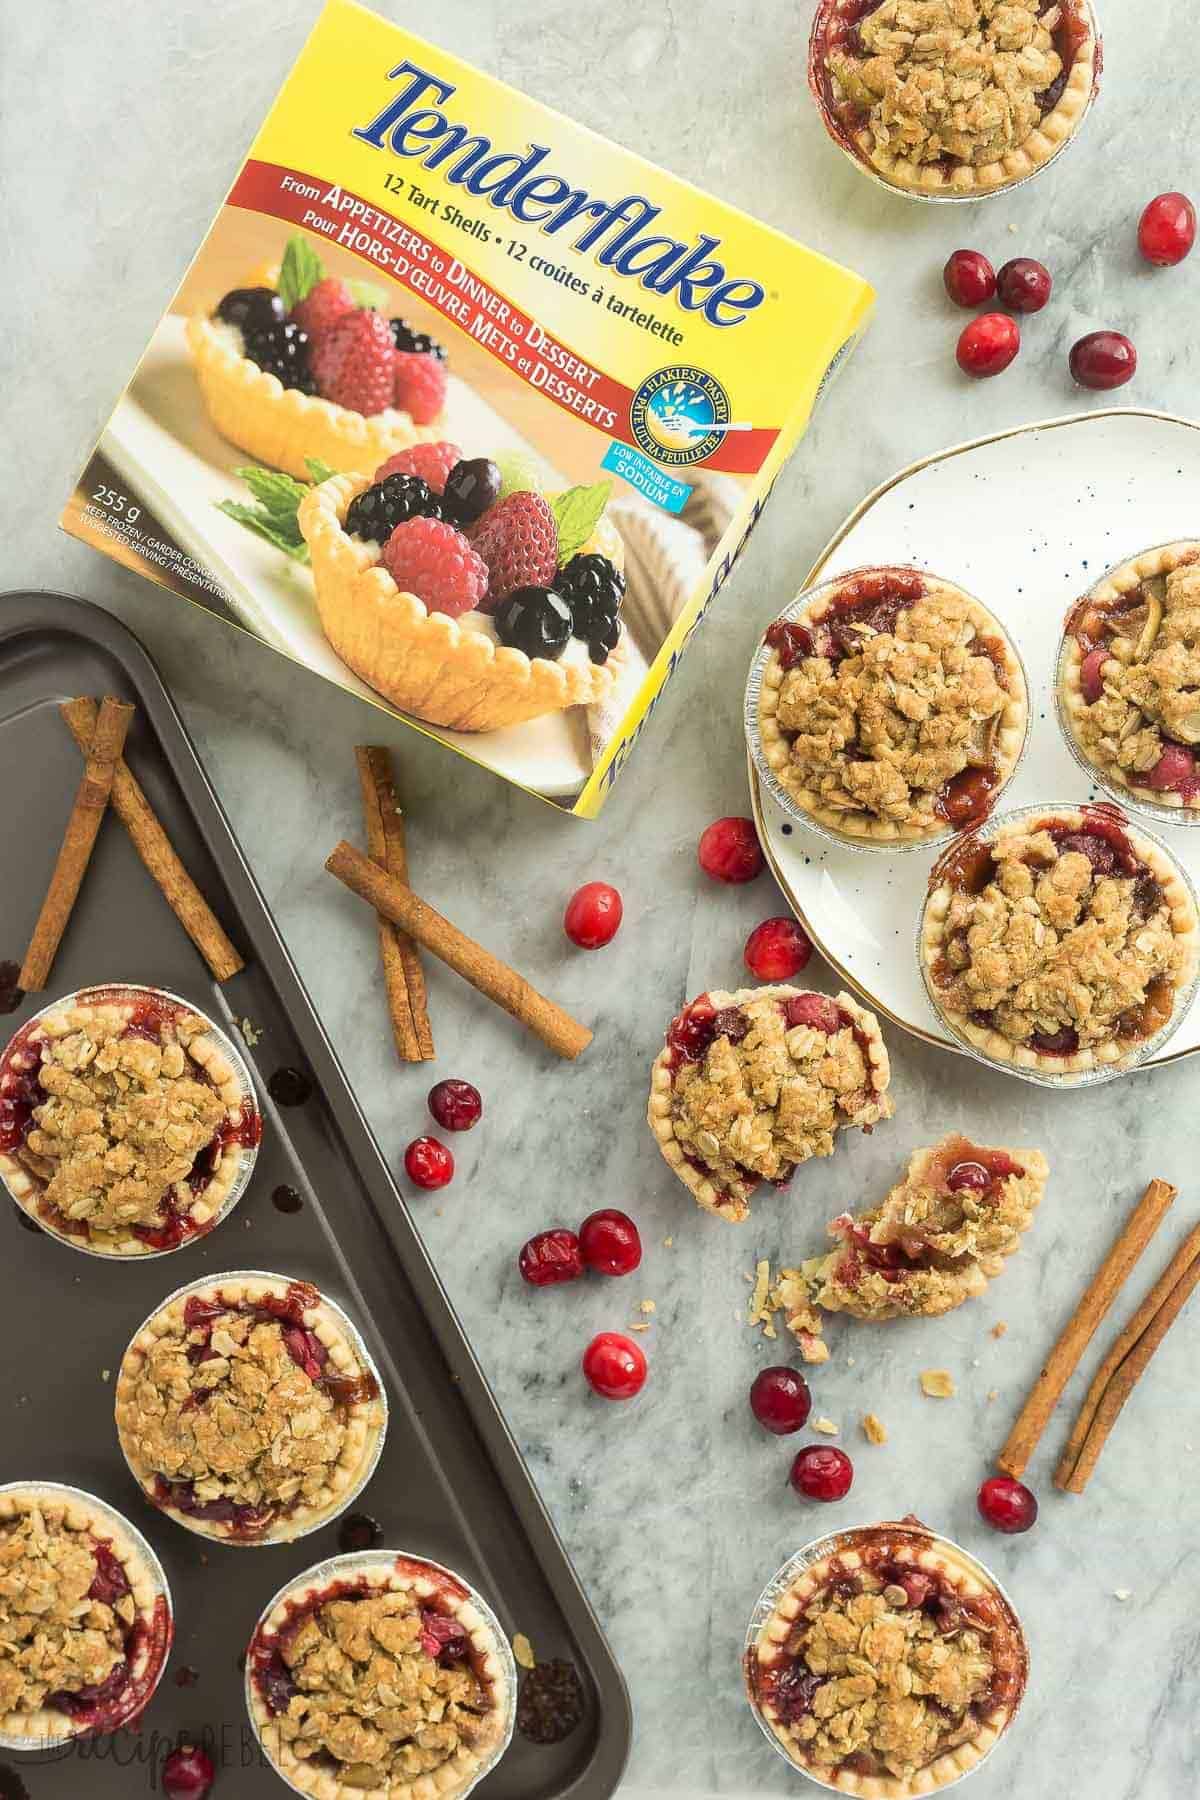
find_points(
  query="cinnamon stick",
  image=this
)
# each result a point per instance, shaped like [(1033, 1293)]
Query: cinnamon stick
[(565, 1035), (91, 800), (1063, 1360), (403, 974), (1143, 1318), (156, 851), (1127, 1376)]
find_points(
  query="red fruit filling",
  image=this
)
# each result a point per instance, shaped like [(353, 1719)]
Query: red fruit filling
[(1007, 1505), (1167, 231), (969, 278), (456, 1105), (780, 1400), (614, 1366), (593, 915), (428, 1163), (1093, 624), (776, 950), (610, 1243), (1103, 360), (821, 1472), (988, 345), (551, 1257), (729, 850)]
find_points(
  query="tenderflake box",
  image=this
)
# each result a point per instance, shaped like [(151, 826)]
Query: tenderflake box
[(464, 407)]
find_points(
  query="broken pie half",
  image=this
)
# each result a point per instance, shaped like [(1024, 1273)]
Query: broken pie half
[(1129, 678), (888, 1666), (751, 1084), (892, 707), (381, 1675), (128, 1123), (249, 1410), (1060, 941), (953, 98), (85, 1617)]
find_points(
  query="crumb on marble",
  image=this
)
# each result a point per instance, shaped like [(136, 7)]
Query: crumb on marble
[(647, 1306), (993, 1394), (1122, 1594), (938, 1384), (668, 1243), (874, 1429), (999, 1329), (825, 1426)]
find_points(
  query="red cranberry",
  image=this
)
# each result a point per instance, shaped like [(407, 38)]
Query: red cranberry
[(615, 1366), (777, 949), (1167, 230), (970, 1175), (729, 850), (609, 1242), (1091, 673), (593, 915), (188, 1773), (969, 277), (1175, 768), (967, 798), (780, 1400), (1102, 360), (456, 1105), (988, 344), (1007, 1505), (428, 1163), (817, 1010), (551, 1257), (1024, 285), (822, 1473), (1056, 1043)]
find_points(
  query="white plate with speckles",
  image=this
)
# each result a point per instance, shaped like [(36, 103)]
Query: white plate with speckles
[(1027, 521)]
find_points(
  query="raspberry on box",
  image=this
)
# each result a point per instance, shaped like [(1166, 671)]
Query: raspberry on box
[(518, 540), (321, 309), (352, 363), (428, 558), (418, 384), (432, 462)]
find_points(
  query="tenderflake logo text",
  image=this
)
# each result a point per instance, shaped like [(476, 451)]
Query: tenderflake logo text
[(616, 232)]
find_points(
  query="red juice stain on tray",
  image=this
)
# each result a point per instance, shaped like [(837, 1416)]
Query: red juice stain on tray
[(11, 996), (286, 1199), (551, 1703), (358, 1532), (186, 1676)]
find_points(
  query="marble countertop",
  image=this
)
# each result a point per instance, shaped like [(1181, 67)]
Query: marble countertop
[(121, 132)]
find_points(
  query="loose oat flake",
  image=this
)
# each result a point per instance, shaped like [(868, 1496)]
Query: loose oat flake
[(938, 1384), (874, 1429)]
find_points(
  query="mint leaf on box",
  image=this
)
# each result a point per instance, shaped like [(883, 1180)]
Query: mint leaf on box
[(367, 293), (577, 513), (299, 272), (273, 516)]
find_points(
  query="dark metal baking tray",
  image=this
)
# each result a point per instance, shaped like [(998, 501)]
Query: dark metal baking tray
[(451, 1484)]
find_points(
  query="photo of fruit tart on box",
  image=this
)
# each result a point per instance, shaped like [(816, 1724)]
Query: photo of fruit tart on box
[(302, 365)]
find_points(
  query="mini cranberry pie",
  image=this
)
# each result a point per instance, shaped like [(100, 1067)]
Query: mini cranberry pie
[(296, 369), (127, 1121), (938, 1237), (888, 1663), (953, 98), (891, 707), (249, 1410), (1060, 941), (85, 1618), (750, 1085), (1129, 678), (467, 606), (381, 1674)]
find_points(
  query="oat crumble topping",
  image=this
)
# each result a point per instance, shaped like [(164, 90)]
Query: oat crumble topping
[(883, 731), (896, 1687), (1151, 693), (124, 1121), (53, 1638), (773, 1098), (950, 79), (370, 1694), (1054, 943)]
